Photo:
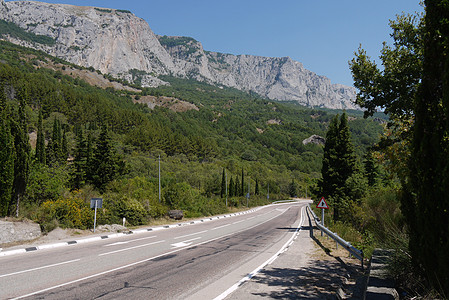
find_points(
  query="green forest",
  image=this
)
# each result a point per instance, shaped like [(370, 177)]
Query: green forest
[(93, 142)]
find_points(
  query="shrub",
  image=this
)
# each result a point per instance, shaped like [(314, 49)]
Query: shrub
[(71, 212)]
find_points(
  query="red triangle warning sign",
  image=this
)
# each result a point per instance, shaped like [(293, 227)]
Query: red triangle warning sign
[(322, 204)]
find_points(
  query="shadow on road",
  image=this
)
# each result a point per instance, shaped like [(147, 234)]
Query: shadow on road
[(311, 282)]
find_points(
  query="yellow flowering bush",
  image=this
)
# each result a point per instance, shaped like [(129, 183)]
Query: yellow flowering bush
[(70, 211)]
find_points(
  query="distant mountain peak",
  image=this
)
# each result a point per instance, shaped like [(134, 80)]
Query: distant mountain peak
[(117, 42)]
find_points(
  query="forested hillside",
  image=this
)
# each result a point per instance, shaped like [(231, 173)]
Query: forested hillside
[(92, 142)]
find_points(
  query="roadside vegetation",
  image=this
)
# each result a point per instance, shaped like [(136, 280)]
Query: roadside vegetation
[(402, 201)]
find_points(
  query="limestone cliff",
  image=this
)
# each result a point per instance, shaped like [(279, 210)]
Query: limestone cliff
[(119, 43)]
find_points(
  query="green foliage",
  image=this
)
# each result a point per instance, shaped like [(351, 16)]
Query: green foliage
[(338, 167), (425, 201), (46, 183), (22, 151), (40, 143), (70, 212), (105, 165), (394, 87), (412, 87), (11, 29), (7, 154)]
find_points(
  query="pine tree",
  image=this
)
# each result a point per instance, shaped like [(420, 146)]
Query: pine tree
[(80, 161), (105, 164), (345, 151), (371, 169), (338, 165), (40, 144), (6, 161), (329, 181)]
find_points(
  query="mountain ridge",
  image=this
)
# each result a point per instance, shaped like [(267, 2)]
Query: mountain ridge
[(117, 42)]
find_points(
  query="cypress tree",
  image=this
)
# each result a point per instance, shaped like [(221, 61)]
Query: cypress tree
[(64, 148), (231, 188), (6, 162), (89, 168), (54, 148), (425, 202), (256, 191), (223, 184), (237, 187), (242, 189), (40, 144), (22, 150)]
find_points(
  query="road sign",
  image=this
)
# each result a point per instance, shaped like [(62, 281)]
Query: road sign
[(322, 204), (96, 202)]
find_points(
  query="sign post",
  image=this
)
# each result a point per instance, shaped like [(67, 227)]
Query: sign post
[(323, 205), (96, 203)]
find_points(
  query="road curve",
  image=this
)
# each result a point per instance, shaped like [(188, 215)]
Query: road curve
[(204, 260)]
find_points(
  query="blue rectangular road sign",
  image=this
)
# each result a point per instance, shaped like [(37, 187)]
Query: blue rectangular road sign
[(98, 201)]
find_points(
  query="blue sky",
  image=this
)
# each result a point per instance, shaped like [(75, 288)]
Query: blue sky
[(322, 34)]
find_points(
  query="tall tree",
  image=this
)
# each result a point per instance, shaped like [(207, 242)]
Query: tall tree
[(426, 201), (105, 163), (80, 161), (40, 143), (231, 187), (223, 184), (6, 159), (328, 184), (256, 191), (338, 164), (22, 153), (237, 187), (242, 189)]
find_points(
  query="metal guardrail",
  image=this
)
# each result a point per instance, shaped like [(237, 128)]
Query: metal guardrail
[(351, 249), (284, 201)]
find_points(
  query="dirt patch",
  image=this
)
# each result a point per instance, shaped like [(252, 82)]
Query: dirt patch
[(171, 103)]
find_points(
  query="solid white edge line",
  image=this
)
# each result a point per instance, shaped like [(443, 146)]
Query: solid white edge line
[(39, 268), (257, 270)]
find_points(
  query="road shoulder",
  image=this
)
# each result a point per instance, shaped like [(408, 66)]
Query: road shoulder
[(309, 268)]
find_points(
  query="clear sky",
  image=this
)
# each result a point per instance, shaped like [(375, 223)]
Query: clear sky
[(322, 34)]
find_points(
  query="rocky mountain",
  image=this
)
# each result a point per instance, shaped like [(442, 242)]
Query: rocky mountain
[(117, 42)]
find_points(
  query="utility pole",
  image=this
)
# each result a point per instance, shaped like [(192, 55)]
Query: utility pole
[(159, 178)]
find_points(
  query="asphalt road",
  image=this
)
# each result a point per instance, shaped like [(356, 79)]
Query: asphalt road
[(200, 261)]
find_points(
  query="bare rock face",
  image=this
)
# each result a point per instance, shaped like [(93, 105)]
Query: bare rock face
[(119, 43), (314, 139)]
